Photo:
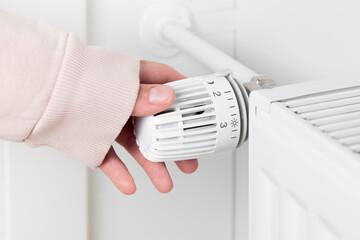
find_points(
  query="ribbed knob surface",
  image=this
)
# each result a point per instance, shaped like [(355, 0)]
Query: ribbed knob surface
[(205, 118)]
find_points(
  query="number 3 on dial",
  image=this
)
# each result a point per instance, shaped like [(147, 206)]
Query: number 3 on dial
[(223, 125)]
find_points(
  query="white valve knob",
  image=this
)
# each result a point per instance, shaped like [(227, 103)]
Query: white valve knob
[(209, 115)]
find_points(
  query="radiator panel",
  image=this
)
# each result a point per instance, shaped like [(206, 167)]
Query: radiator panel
[(304, 182)]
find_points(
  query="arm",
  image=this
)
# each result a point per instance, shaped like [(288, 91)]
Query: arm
[(58, 92)]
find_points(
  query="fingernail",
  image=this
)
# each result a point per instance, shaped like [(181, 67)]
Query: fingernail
[(160, 94)]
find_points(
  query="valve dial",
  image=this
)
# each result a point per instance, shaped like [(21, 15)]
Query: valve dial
[(207, 116)]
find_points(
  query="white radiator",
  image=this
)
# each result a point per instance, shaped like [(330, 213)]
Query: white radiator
[(305, 161)]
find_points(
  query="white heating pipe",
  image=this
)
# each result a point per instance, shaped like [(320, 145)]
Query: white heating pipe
[(205, 52)]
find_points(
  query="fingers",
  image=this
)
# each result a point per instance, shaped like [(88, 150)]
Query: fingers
[(153, 99), (188, 166), (157, 172), (152, 72), (118, 173)]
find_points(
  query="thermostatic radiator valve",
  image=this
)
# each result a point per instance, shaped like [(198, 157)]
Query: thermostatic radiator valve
[(209, 115)]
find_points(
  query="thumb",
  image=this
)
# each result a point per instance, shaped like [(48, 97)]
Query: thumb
[(153, 98)]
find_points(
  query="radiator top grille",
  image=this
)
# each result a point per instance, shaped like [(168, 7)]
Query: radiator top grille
[(336, 113)]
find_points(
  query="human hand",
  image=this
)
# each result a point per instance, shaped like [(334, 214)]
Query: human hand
[(152, 98)]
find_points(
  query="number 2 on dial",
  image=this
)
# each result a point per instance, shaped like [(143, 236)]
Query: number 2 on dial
[(217, 94)]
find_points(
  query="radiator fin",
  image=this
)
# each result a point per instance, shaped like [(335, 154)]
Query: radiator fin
[(336, 113)]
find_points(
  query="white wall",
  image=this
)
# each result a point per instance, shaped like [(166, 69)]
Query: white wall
[(300, 40)]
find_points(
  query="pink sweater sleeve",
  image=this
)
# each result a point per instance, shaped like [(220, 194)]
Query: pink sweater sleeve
[(57, 92)]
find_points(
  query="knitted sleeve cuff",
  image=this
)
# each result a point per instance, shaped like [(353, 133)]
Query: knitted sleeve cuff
[(93, 97)]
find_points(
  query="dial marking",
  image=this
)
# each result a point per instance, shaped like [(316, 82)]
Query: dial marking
[(234, 114), (232, 106), (227, 92), (230, 99), (234, 122), (217, 94), (233, 137)]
